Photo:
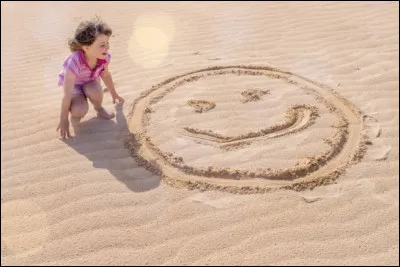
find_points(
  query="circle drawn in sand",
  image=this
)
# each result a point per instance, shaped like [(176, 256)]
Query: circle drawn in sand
[(251, 95), (201, 105), (346, 147)]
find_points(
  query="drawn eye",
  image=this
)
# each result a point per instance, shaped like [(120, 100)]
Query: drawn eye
[(201, 105), (252, 95)]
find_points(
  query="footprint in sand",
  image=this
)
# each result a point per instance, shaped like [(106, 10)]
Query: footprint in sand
[(346, 146), (372, 127), (321, 193), (381, 153)]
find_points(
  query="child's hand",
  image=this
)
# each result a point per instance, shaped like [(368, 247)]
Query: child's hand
[(64, 128), (117, 97)]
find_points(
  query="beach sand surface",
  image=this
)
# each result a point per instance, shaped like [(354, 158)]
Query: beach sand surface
[(87, 201)]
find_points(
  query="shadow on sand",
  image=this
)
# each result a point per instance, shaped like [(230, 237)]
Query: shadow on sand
[(102, 142)]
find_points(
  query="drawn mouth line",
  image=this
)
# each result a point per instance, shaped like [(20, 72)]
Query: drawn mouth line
[(298, 118)]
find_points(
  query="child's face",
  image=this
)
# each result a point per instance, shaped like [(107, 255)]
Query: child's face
[(99, 48)]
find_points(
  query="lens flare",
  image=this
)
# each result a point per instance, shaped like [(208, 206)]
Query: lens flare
[(151, 38)]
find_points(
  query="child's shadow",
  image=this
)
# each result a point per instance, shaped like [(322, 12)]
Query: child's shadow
[(102, 142)]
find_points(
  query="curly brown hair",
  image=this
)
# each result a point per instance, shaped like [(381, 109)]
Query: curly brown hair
[(87, 32)]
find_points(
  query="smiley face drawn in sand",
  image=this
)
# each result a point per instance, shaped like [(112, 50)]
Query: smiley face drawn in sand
[(172, 140)]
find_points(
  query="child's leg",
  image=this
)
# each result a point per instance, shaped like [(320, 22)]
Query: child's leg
[(95, 94), (79, 106)]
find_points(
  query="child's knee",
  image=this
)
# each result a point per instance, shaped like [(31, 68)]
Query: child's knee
[(93, 90), (79, 111)]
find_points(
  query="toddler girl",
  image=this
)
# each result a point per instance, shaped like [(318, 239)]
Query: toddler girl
[(88, 61)]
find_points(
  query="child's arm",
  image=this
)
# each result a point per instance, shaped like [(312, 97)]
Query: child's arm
[(69, 83), (107, 79)]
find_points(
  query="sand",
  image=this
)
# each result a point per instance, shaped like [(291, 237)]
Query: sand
[(252, 134), (201, 105)]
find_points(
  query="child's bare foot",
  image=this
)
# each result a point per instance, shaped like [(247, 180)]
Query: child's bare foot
[(102, 113)]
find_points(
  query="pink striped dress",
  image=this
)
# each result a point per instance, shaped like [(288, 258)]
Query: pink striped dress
[(77, 64)]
